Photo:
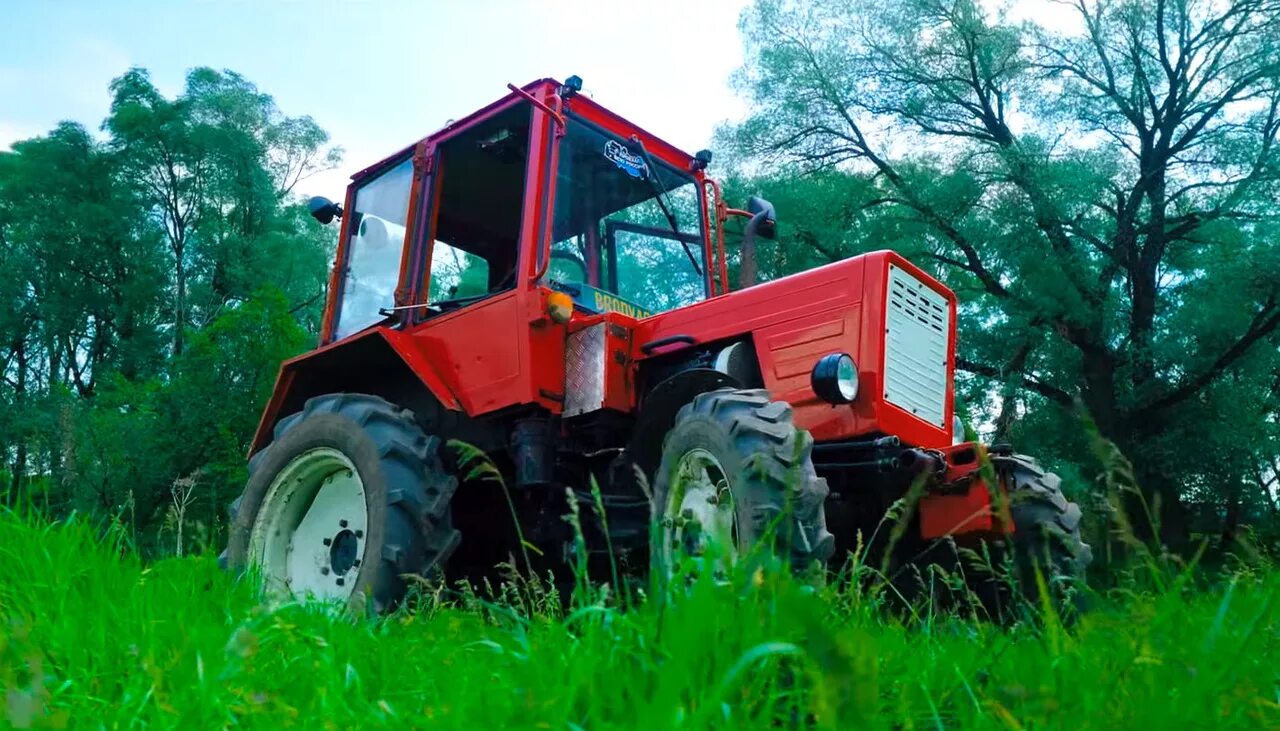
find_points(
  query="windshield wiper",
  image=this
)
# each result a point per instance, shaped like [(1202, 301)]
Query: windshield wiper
[(660, 194)]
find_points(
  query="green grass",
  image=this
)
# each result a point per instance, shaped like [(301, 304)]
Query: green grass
[(91, 637)]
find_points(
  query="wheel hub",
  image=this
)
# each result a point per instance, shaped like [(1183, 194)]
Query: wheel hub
[(342, 552), (700, 519), (308, 537)]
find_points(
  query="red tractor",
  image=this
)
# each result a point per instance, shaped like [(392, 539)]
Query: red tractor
[(548, 283)]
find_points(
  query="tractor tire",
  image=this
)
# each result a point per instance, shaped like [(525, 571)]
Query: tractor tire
[(1000, 579), (1046, 538), (374, 467), (764, 462)]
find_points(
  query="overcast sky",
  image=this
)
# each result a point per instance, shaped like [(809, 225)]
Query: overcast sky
[(377, 74)]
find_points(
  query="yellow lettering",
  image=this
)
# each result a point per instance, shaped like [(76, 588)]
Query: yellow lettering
[(606, 302)]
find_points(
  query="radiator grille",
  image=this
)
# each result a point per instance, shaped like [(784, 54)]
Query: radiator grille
[(916, 345)]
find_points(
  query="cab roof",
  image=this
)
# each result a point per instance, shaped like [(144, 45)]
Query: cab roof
[(579, 103)]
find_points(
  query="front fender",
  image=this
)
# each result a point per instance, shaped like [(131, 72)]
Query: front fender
[(662, 403)]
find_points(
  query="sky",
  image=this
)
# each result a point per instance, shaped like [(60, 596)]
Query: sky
[(376, 74)]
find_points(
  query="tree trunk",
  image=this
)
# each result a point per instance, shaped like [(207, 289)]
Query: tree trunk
[(1231, 519), (179, 296), (1160, 514), (19, 403)]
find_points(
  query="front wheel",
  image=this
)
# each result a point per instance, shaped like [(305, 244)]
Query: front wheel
[(1046, 540), (735, 471), (1002, 578), (348, 501)]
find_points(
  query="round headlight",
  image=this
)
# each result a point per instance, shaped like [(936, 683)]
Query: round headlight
[(835, 378)]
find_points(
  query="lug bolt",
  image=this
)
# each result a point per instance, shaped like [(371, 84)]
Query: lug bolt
[(342, 523), (328, 541), (341, 582), (356, 563), (359, 534), (324, 572)]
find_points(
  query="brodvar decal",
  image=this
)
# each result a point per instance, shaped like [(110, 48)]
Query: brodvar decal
[(627, 161), (612, 303), (598, 300)]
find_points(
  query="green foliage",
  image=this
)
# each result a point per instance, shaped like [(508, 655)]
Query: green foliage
[(94, 637), (1100, 192), (156, 280)]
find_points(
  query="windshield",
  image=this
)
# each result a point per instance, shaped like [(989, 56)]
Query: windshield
[(627, 228)]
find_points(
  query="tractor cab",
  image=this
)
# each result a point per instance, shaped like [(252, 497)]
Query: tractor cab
[(544, 189), (628, 229)]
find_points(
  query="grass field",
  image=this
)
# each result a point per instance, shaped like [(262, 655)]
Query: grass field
[(90, 637)]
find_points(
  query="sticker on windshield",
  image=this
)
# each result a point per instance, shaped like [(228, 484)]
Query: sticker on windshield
[(627, 161)]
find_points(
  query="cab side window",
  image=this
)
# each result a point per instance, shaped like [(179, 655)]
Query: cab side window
[(377, 232), (475, 242)]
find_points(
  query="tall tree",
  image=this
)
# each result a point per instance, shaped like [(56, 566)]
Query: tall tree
[(214, 165), (154, 280), (1106, 185)]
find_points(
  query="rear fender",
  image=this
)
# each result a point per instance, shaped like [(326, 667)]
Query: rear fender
[(378, 362)]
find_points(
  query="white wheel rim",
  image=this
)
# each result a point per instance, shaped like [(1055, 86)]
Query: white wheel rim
[(309, 536), (700, 519)]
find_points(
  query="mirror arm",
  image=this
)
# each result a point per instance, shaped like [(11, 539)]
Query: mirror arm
[(554, 114)]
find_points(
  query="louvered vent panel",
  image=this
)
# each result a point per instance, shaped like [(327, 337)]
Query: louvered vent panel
[(915, 360)]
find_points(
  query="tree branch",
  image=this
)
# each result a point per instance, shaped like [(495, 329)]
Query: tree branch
[(1265, 322), (1053, 393)]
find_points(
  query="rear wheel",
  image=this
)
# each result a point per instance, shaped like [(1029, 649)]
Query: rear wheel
[(348, 501), (736, 471)]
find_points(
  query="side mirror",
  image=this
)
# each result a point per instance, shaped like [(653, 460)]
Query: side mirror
[(767, 226), (324, 210), (762, 223)]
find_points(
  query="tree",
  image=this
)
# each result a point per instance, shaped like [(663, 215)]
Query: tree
[(1107, 190), (213, 166), (153, 283), (80, 293)]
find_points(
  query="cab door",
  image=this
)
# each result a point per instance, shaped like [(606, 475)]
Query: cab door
[(469, 294)]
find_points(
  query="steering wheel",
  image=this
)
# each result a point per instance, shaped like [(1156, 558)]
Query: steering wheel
[(572, 259)]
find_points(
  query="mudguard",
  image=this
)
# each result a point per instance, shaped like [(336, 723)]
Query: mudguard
[(380, 362)]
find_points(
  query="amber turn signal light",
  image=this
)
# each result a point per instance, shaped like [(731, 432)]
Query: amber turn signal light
[(559, 307)]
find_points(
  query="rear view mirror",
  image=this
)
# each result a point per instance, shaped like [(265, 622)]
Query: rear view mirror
[(762, 223), (761, 210), (324, 210)]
